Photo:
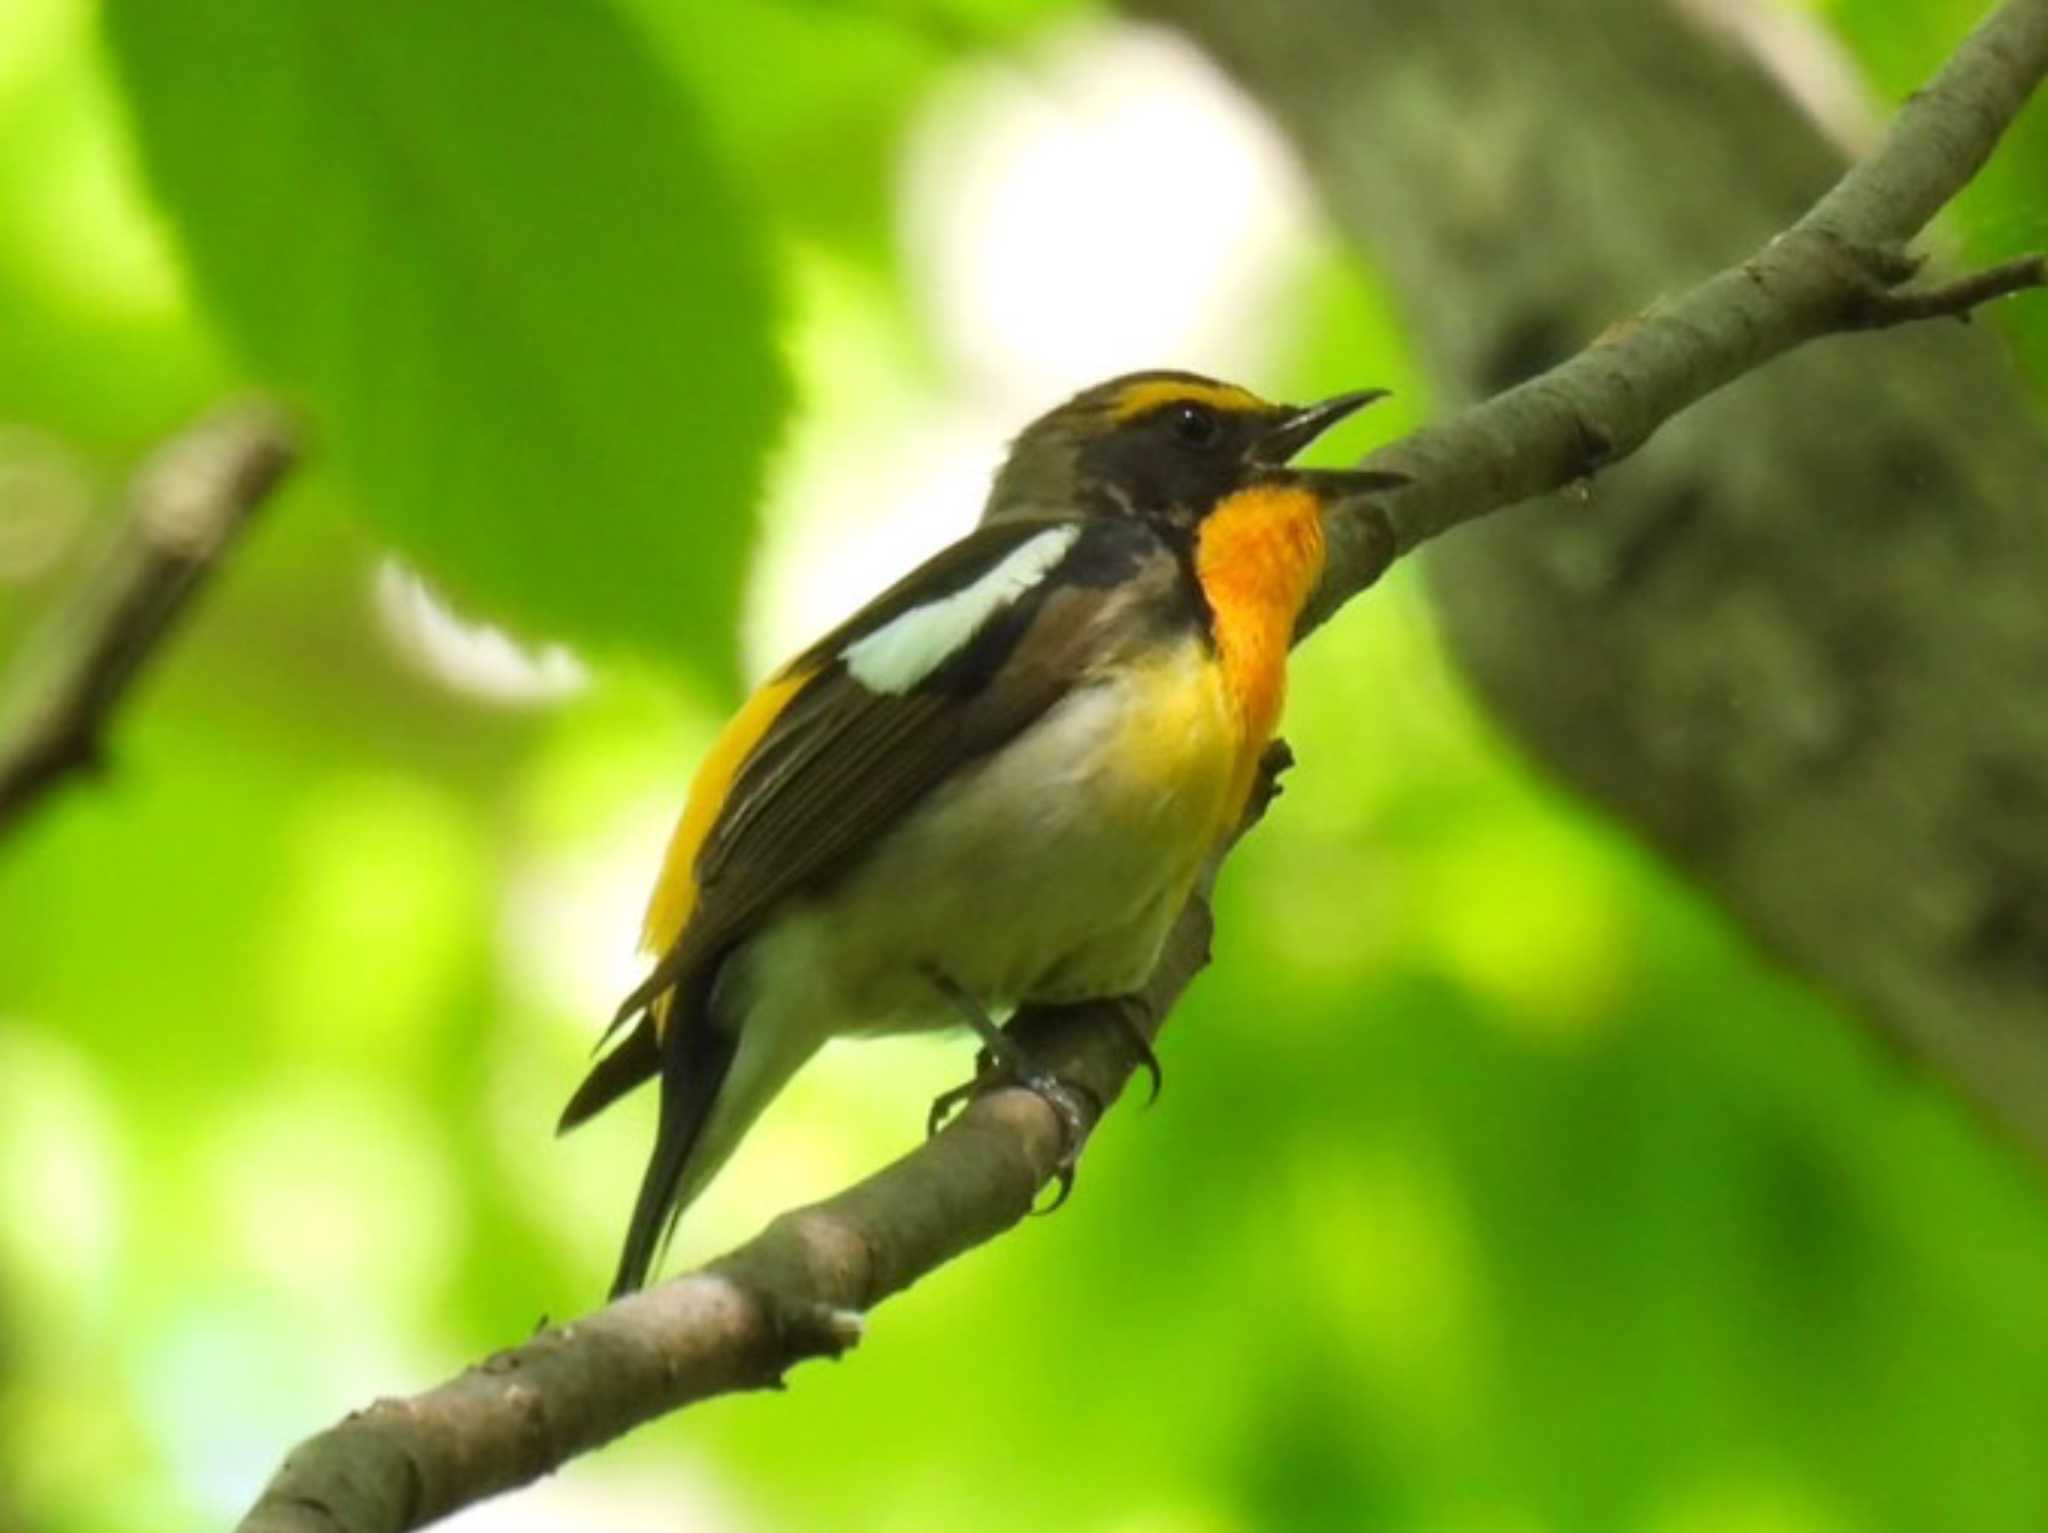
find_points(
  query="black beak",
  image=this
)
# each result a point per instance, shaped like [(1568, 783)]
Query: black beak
[(1301, 425)]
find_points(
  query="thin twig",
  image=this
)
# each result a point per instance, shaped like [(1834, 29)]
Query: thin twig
[(1956, 299), (186, 505), (1813, 280), (742, 1321)]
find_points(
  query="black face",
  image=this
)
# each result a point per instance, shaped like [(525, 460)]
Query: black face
[(1177, 460)]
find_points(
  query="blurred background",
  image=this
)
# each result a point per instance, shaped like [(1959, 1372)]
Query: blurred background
[(1498, 1185)]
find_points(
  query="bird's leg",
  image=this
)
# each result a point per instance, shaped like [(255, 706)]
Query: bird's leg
[(945, 1102), (1003, 1061)]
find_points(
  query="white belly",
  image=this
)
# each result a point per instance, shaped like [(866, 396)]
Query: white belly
[(1051, 872)]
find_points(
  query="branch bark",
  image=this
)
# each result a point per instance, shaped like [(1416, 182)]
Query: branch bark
[(1790, 645), (795, 1290), (186, 506), (1839, 268)]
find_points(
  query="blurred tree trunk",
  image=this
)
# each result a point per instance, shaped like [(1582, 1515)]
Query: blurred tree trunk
[(1800, 640)]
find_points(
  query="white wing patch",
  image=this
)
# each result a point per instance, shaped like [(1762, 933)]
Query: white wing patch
[(909, 647)]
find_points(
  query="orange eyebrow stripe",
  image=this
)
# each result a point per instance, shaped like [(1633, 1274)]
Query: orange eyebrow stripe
[(1138, 398), (675, 892)]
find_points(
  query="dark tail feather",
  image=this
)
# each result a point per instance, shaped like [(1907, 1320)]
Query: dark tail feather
[(635, 1060), (695, 1058)]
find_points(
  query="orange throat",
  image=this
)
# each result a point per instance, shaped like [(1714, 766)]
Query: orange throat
[(1259, 556)]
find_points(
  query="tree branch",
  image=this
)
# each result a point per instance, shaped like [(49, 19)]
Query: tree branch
[(1782, 647), (795, 1291), (1835, 270), (1957, 299), (186, 505)]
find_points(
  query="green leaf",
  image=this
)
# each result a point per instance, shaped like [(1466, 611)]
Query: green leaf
[(486, 244)]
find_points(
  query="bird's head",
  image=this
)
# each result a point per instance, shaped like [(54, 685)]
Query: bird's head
[(1168, 447)]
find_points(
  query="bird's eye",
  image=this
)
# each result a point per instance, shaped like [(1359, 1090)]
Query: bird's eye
[(1195, 426)]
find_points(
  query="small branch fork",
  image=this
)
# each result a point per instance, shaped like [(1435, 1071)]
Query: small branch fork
[(1842, 267), (796, 1291), (1590, 412), (1886, 305), (186, 506)]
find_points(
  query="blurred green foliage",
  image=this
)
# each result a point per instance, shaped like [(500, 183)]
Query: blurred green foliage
[(1496, 1186)]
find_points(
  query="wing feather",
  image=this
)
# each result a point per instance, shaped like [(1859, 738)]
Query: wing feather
[(840, 763)]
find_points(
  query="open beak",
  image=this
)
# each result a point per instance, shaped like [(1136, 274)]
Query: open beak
[(1298, 426)]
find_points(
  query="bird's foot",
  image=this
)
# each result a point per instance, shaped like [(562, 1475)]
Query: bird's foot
[(1076, 1107), (1076, 1118), (1004, 1062)]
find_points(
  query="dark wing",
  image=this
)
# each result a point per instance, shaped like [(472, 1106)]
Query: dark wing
[(843, 762)]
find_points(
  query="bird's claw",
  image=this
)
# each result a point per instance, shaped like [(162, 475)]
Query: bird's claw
[(946, 1103), (1064, 1098), (1004, 1062), (1142, 1047), (1073, 1104), (1066, 1176)]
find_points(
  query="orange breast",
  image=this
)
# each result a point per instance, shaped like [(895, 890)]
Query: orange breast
[(1259, 556)]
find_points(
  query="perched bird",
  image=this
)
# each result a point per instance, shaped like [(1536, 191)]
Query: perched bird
[(997, 782)]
